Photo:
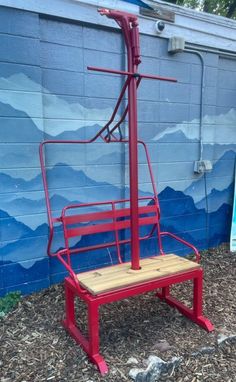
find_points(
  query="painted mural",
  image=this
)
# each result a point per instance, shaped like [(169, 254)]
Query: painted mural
[(233, 226), (46, 92)]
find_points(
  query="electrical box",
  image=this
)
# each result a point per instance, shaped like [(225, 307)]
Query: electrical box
[(176, 44), (202, 166)]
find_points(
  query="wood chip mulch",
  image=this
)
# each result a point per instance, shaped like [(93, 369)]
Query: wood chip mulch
[(35, 347)]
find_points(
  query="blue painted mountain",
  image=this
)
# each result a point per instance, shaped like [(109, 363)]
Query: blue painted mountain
[(219, 178), (19, 242), (18, 277), (31, 248), (60, 176), (26, 127), (80, 188), (177, 136), (9, 184), (179, 214), (112, 158), (217, 198), (11, 228), (86, 132), (195, 226), (3, 215), (219, 226), (8, 111)]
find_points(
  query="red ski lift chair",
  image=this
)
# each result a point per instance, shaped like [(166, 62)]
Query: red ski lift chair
[(124, 279)]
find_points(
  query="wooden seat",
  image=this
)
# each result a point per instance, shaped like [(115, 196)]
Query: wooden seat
[(121, 276)]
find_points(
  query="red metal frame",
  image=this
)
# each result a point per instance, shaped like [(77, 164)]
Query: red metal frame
[(132, 217), (91, 344)]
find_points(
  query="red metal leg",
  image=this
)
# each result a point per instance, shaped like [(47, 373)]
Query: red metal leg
[(165, 292), (69, 323), (69, 306), (197, 295), (90, 345), (194, 314), (197, 303), (93, 328)]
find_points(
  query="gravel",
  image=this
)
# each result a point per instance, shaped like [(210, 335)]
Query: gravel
[(35, 347)]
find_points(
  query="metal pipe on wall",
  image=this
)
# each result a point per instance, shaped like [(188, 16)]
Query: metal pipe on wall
[(200, 56), (177, 45)]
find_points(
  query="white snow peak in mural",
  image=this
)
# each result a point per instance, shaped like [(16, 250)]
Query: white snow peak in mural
[(216, 129), (25, 95), (72, 116)]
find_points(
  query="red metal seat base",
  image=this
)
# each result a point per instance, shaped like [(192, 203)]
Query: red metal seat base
[(200, 320), (91, 344), (97, 359)]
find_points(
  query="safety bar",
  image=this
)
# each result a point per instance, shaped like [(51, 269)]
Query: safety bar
[(177, 238)]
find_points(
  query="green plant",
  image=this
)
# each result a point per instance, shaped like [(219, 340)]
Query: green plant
[(8, 302)]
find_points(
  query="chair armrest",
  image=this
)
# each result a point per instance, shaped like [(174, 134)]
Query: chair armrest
[(177, 238)]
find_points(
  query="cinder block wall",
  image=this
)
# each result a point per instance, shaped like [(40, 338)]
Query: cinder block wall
[(46, 92)]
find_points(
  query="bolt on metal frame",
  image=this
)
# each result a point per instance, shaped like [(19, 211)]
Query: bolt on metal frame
[(137, 215)]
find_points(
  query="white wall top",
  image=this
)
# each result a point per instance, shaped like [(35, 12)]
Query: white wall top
[(196, 27)]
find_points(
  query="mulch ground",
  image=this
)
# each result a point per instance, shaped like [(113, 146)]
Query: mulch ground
[(35, 347)]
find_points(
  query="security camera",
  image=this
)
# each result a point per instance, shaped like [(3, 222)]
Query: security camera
[(160, 26)]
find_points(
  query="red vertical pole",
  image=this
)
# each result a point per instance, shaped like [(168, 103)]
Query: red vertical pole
[(132, 47), (133, 171), (133, 51), (129, 26)]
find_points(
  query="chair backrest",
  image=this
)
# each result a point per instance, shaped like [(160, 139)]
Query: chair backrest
[(114, 218)]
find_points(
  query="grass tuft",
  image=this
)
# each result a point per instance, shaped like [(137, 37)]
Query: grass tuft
[(9, 302)]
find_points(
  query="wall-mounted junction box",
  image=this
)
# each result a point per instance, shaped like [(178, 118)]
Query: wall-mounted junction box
[(202, 166), (176, 44)]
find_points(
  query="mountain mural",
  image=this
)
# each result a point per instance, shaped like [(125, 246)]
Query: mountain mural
[(220, 178), (218, 129), (198, 208), (179, 215), (217, 198)]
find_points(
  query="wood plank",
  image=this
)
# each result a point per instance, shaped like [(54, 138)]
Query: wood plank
[(121, 275), (129, 275), (112, 269), (129, 281), (146, 268)]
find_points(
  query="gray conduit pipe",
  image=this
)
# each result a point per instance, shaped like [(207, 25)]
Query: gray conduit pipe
[(177, 45), (200, 56)]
